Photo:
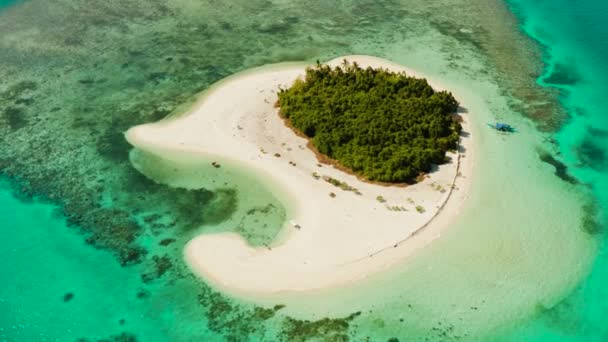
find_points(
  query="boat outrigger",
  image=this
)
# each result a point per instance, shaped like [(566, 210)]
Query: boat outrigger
[(502, 127)]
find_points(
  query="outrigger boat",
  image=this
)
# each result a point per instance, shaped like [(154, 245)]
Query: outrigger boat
[(502, 127), (294, 224)]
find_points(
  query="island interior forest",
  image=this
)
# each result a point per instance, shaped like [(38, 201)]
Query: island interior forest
[(383, 126)]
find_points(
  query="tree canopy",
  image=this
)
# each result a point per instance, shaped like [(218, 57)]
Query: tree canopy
[(383, 125)]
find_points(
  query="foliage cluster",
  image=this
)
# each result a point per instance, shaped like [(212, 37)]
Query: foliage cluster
[(384, 125)]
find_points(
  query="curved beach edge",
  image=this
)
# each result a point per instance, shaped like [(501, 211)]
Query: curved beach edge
[(328, 241)]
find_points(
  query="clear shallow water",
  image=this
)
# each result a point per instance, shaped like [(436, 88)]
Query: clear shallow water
[(45, 264), (69, 84), (58, 288), (498, 263), (575, 39)]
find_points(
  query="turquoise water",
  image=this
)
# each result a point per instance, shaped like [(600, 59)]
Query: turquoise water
[(104, 259), (4, 3), (575, 40), (52, 275), (58, 288)]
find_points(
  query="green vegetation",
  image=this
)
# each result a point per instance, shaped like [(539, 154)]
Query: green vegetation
[(438, 187), (383, 125), (396, 208), (342, 185), (420, 209)]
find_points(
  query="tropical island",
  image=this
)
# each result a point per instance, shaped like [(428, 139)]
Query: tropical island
[(384, 125), (338, 227)]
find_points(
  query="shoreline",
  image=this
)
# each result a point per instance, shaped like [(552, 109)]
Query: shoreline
[(341, 239)]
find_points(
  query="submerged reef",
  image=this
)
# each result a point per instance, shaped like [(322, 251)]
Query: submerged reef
[(69, 91), (591, 155), (561, 170), (327, 328), (562, 75), (238, 323), (123, 337)]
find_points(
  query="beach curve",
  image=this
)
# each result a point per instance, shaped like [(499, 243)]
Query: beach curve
[(328, 241)]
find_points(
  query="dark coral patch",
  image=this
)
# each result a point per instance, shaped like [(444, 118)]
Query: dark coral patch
[(444, 331), (328, 329), (113, 146), (15, 117), (215, 72), (193, 207), (561, 170), (141, 294), (25, 102), (166, 242), (159, 266), (68, 297), (238, 323), (590, 221), (597, 132), (591, 155), (562, 74), (123, 337), (87, 81), (158, 114), (159, 76), (455, 31), (263, 314), (113, 229)]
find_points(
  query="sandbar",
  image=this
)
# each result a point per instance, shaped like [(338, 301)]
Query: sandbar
[(327, 241)]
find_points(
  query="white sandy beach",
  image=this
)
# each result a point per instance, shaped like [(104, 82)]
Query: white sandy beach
[(337, 240)]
